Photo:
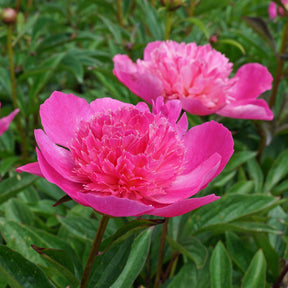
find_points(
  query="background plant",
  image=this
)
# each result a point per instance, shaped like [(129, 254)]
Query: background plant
[(240, 240)]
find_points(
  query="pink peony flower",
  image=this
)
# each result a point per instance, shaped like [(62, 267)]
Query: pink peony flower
[(198, 77), (274, 10), (123, 160), (5, 121)]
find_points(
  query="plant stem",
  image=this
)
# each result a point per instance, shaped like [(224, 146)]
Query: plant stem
[(161, 253), (120, 12), (168, 26), (14, 88), (279, 71), (282, 275), (94, 251)]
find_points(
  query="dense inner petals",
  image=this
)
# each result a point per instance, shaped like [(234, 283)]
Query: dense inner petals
[(191, 71), (127, 153)]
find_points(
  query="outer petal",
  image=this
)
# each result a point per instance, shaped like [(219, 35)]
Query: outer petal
[(106, 104), (60, 115), (116, 207), (5, 121), (196, 107), (70, 188), (247, 109), (204, 140), (182, 207), (58, 158), (137, 78), (188, 185), (253, 80), (32, 168)]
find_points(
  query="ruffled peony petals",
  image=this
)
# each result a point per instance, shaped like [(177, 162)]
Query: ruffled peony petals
[(184, 206), (116, 207), (252, 80), (204, 140), (171, 109), (32, 168), (138, 79), (256, 109), (72, 189), (5, 121), (189, 184), (58, 158), (106, 104), (60, 115)]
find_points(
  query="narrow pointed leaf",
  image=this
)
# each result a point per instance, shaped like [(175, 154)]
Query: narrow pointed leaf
[(136, 260), (221, 268), (255, 276)]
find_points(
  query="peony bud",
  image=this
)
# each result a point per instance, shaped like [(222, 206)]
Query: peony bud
[(8, 15)]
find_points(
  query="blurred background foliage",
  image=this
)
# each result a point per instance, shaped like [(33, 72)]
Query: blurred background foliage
[(238, 241)]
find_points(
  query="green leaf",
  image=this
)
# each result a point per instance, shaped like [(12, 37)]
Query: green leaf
[(192, 248), (256, 174), (228, 209), (12, 186), (19, 272), (271, 255), (129, 229), (82, 227), (17, 211), (71, 63), (238, 159), (136, 260), (255, 276), (239, 251), (232, 43), (242, 187), (108, 266), (221, 268), (201, 25), (278, 170), (62, 261)]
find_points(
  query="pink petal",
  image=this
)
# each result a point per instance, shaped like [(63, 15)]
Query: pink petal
[(106, 104), (116, 207), (196, 107), (253, 80), (5, 121), (58, 158), (184, 206), (189, 184), (32, 168), (60, 115), (204, 140), (138, 79), (150, 48), (248, 109), (70, 188)]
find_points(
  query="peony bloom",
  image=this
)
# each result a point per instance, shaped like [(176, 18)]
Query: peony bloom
[(123, 160), (5, 121), (274, 10), (198, 77)]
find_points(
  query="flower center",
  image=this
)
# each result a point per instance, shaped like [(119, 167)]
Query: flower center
[(127, 153)]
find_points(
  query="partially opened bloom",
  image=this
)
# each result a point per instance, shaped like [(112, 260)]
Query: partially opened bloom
[(199, 77), (274, 9), (5, 121), (123, 160)]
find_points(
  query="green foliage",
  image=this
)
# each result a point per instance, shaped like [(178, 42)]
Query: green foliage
[(240, 240)]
